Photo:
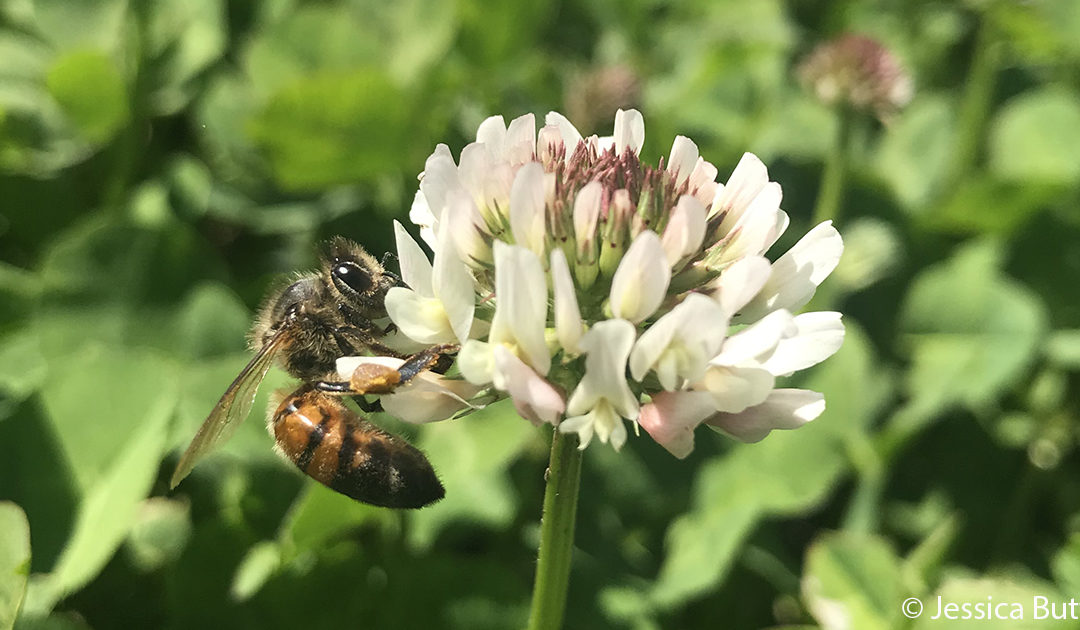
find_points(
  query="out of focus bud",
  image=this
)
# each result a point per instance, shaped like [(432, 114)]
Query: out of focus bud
[(859, 72), (594, 94), (872, 251)]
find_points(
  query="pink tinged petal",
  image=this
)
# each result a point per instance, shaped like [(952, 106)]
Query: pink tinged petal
[(734, 388), (797, 274), (569, 134), (568, 324), (818, 336), (680, 343), (607, 347), (756, 229), (740, 281), (671, 417), (521, 140), (439, 178), (521, 307), (783, 409), (476, 362), (527, 208), (535, 399), (629, 131), (641, 281), (413, 262), (752, 342), (467, 229), (685, 230), (746, 181), (586, 214), (683, 159), (492, 132), (422, 319), (453, 286)]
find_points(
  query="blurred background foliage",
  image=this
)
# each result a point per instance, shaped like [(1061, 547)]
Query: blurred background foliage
[(161, 163)]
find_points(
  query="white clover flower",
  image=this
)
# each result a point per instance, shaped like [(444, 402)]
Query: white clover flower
[(594, 289)]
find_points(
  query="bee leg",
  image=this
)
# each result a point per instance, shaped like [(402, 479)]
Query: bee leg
[(371, 378), (424, 360), (388, 257), (334, 387), (368, 406), (357, 340)]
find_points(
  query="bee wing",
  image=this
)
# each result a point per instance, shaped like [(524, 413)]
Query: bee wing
[(233, 407)]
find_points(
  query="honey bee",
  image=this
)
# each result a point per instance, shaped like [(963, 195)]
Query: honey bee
[(307, 325)]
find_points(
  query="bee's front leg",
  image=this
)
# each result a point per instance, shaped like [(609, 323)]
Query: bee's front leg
[(357, 340)]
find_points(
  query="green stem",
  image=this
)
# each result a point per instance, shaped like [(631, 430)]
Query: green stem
[(975, 103), (556, 534), (865, 505), (831, 192)]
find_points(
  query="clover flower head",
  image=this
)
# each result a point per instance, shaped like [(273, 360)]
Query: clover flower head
[(595, 289), (858, 71)]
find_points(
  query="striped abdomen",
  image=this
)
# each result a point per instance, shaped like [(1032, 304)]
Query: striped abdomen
[(334, 446)]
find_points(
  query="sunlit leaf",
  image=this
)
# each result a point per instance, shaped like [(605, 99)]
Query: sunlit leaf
[(110, 504), (22, 56), (332, 128), (22, 366), (1066, 565), (184, 38), (471, 456), (321, 514), (14, 561), (101, 397), (70, 25), (1063, 348), (1036, 138), (701, 547), (915, 151), (853, 581), (161, 529), (985, 204), (970, 331), (211, 320), (91, 92), (258, 566)]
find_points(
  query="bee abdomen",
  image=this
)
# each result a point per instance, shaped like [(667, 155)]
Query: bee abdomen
[(335, 447)]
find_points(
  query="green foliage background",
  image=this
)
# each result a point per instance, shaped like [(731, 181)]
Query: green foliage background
[(162, 162)]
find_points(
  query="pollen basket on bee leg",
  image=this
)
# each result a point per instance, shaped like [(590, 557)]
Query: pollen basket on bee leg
[(371, 378)]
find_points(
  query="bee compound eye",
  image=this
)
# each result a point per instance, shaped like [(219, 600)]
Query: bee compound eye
[(352, 275)]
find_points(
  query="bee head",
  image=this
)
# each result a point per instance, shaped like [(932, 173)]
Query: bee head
[(356, 274)]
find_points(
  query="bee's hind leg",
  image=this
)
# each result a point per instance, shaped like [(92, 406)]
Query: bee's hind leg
[(371, 378)]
